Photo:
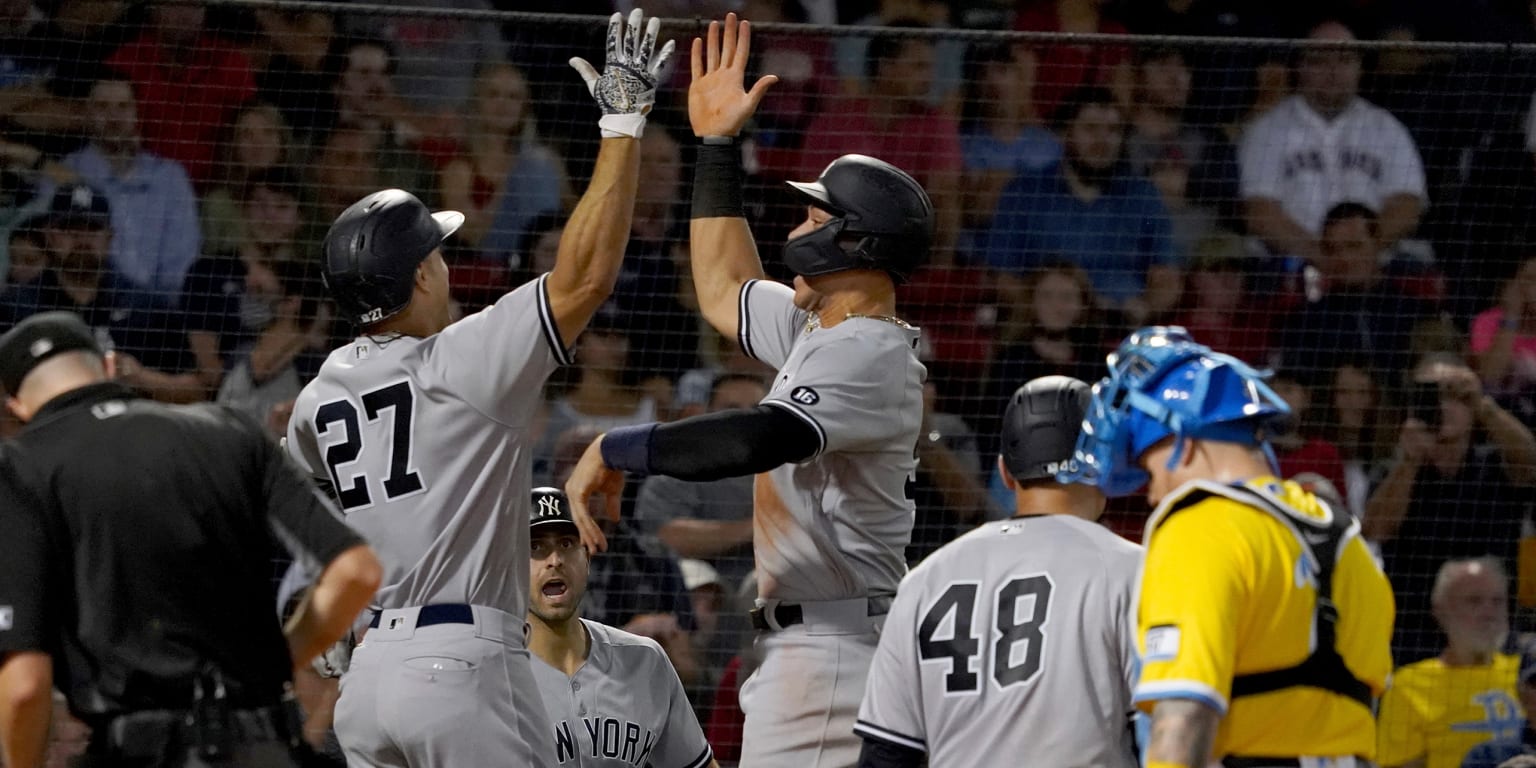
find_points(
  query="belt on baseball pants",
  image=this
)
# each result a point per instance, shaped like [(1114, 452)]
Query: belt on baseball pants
[(442, 613), (773, 615), (1296, 762)]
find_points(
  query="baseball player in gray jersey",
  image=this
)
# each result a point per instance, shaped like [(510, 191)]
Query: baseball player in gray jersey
[(1017, 638), (836, 436), (419, 427), (615, 699)]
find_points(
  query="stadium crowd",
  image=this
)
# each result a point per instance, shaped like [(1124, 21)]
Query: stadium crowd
[(1356, 220)]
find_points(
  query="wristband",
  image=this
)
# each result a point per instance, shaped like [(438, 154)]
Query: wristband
[(628, 125), (718, 181), (629, 448)]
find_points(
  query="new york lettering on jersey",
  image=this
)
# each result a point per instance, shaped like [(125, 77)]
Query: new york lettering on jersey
[(626, 741)]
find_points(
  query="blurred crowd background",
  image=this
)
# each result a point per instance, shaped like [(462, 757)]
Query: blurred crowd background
[(1339, 190)]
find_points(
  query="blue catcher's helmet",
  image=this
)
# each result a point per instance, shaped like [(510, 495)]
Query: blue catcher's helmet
[(1163, 383)]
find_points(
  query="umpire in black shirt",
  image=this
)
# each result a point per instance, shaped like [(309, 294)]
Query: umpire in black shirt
[(136, 547)]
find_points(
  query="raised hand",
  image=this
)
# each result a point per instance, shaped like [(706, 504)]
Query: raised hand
[(627, 85), (718, 104), (592, 477)]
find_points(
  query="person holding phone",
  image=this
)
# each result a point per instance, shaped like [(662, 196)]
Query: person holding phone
[(1457, 488)]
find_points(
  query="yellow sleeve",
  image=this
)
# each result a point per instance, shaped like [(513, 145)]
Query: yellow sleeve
[(1195, 580), (1399, 732)]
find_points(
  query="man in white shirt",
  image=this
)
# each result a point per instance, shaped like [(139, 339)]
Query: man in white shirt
[(1324, 146)]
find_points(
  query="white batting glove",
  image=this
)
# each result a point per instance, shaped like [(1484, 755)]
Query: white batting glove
[(626, 88)]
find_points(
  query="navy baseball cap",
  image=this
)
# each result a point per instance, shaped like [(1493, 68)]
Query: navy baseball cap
[(38, 338), (550, 507), (79, 206)]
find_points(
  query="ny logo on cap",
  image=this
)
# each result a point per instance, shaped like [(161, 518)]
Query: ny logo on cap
[(40, 347), (549, 506)]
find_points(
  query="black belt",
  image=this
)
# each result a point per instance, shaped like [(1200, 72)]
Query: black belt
[(442, 613), (790, 614)]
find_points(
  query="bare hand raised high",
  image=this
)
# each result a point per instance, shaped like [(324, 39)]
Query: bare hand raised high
[(718, 103)]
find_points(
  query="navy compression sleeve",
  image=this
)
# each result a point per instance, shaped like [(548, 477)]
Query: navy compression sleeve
[(713, 446)]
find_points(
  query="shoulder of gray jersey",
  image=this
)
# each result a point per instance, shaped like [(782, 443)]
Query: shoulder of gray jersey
[(1110, 547), (619, 641)]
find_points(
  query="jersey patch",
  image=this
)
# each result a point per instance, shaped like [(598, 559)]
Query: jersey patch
[(1162, 643), (7, 617), (805, 396)]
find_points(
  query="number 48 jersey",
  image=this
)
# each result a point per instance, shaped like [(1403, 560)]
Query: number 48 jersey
[(1016, 639), (425, 443)]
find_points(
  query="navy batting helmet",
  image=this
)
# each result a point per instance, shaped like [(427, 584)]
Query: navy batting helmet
[(882, 220), (373, 248), (1041, 426)]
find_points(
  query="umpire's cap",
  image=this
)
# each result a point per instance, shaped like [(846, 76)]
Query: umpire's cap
[(550, 507), (36, 339), (373, 248), (1041, 425), (882, 220)]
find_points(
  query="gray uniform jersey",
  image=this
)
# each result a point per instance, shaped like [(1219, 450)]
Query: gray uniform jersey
[(624, 707), (1017, 638), (836, 525), (425, 444)]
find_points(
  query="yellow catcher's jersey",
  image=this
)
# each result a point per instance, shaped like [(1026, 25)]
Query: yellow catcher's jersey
[(1226, 591), (1439, 713)]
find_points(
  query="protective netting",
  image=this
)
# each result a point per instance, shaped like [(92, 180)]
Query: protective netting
[(1355, 216)]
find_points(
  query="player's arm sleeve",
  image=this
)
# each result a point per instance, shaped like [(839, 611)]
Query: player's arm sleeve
[(498, 358), (849, 391), (891, 716), (1399, 728), (26, 582), (768, 322), (1188, 636), (682, 743), (876, 753), (713, 446), (300, 515)]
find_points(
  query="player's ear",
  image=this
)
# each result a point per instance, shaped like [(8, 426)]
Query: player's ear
[(1008, 481), (18, 409)]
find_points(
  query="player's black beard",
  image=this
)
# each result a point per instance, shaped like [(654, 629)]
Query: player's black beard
[(1089, 175)]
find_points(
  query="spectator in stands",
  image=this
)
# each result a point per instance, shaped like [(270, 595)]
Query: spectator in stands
[(27, 253), (636, 585), (1351, 425), (856, 77), (948, 491), (1438, 709), (155, 232), (1360, 313), (715, 636), (1504, 344), (1299, 447), (895, 123), (1001, 134), (709, 521), (807, 84), (1493, 753), (351, 161), (1065, 67), (229, 294), (68, 46), (1050, 333), (1218, 308), (1193, 166), (1324, 146), (271, 368), (605, 393), (651, 281), (723, 358), (144, 332), (188, 83), (438, 54), (502, 177), (295, 78), (1093, 210), (1458, 487), (256, 140)]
